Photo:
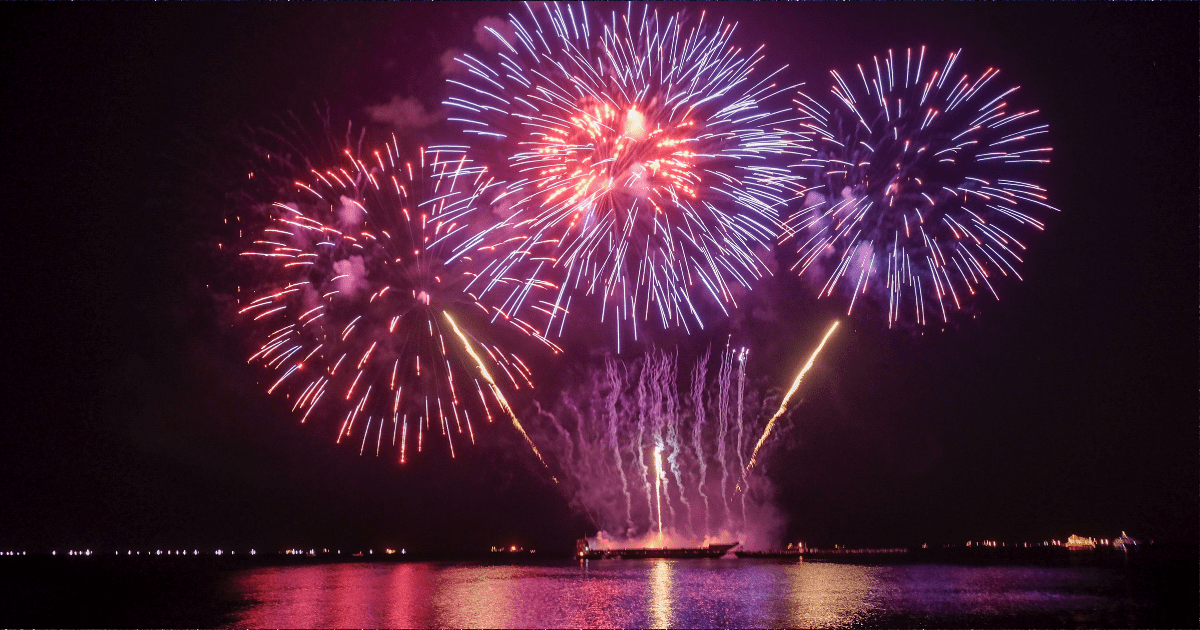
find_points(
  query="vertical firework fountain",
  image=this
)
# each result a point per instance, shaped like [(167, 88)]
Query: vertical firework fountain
[(655, 461)]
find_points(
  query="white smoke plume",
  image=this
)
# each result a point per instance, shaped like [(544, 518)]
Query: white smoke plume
[(351, 276), (654, 464)]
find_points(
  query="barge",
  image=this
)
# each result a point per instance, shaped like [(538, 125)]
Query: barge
[(584, 552), (793, 554)]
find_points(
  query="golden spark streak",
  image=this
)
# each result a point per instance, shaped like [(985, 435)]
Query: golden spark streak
[(496, 392), (784, 405)]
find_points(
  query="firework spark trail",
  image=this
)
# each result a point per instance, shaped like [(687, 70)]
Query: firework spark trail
[(723, 424), (741, 424), (610, 404), (661, 407), (698, 377), (615, 405), (656, 411), (917, 193), (783, 406), (354, 268), (563, 432), (674, 415), (639, 452), (496, 392), (583, 436), (659, 478), (642, 159)]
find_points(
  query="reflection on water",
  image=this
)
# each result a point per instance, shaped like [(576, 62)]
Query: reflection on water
[(825, 595), (679, 594), (660, 594)]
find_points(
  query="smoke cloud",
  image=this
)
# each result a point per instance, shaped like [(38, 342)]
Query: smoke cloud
[(351, 276), (403, 114), (494, 33), (654, 464)]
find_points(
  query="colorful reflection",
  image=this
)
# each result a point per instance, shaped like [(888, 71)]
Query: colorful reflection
[(681, 594), (826, 595), (660, 594)]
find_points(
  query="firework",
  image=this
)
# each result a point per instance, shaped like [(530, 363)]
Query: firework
[(656, 464), (641, 160), (783, 406), (917, 191), (361, 268), (483, 371)]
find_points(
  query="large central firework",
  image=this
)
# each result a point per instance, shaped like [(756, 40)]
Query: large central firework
[(643, 164), (363, 303), (919, 187)]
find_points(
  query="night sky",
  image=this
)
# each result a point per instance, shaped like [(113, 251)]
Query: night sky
[(131, 419)]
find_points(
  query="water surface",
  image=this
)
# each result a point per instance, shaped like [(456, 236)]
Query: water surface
[(693, 593)]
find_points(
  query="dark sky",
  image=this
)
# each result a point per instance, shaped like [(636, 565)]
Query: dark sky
[(131, 419)]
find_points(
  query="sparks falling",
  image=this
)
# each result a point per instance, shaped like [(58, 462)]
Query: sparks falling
[(650, 461), (658, 483)]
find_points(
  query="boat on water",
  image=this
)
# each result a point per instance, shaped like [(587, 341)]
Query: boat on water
[(584, 552)]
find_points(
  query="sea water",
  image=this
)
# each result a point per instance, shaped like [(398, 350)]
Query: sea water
[(704, 593)]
